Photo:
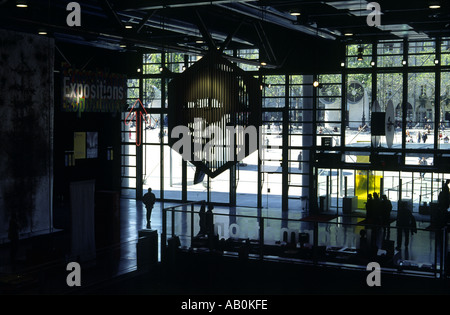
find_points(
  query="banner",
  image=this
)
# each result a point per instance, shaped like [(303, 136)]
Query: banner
[(92, 91)]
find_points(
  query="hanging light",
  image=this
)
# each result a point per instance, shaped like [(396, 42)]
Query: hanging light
[(360, 53)]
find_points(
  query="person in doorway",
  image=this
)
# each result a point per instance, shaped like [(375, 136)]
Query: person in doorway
[(386, 208), (149, 201), (202, 220), (406, 223)]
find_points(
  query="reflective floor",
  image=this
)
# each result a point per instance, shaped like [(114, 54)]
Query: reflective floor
[(238, 222)]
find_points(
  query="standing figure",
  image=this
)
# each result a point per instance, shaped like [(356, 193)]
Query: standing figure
[(149, 201), (406, 223)]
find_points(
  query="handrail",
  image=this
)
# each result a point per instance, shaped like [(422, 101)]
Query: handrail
[(315, 237)]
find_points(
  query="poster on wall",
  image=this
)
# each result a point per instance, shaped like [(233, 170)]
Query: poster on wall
[(91, 145), (92, 91), (79, 145)]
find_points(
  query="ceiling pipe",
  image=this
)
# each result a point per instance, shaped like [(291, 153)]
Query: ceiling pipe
[(273, 16)]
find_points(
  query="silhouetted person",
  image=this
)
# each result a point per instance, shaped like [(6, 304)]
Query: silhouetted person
[(209, 221), (13, 236), (386, 208), (424, 137), (210, 227), (375, 221), (363, 249), (377, 211), (149, 201), (202, 220), (444, 197), (439, 219), (369, 207), (406, 223)]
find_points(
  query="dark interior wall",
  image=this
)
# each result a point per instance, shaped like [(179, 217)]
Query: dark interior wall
[(26, 129), (104, 171)]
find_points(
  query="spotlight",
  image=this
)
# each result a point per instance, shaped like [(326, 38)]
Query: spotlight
[(161, 69), (372, 63), (294, 12), (128, 26), (42, 32), (316, 83), (348, 34), (434, 5), (342, 64), (263, 63), (436, 61), (21, 4), (404, 62)]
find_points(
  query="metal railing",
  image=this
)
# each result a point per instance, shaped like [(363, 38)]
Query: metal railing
[(328, 236)]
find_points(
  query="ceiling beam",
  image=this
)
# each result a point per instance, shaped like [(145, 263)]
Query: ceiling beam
[(111, 13), (163, 4), (204, 31), (230, 37)]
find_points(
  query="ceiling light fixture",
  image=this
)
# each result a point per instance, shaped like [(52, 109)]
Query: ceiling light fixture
[(434, 5), (316, 83), (372, 63), (42, 33), (348, 34), (404, 62), (342, 64), (436, 61), (21, 4), (295, 13)]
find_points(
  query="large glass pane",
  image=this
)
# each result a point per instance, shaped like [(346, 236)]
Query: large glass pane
[(420, 110), (152, 93), (359, 55), (152, 63), (421, 53), (390, 88), (172, 174), (152, 169), (358, 109), (390, 53), (328, 112), (444, 119), (247, 181), (274, 91), (445, 52)]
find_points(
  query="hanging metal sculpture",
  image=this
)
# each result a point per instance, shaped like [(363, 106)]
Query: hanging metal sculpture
[(216, 108)]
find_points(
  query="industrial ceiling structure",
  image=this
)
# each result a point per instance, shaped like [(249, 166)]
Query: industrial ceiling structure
[(196, 26)]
